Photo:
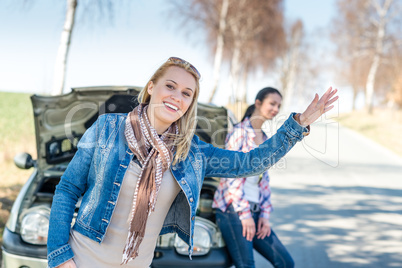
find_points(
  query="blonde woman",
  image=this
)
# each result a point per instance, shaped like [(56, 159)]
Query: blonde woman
[(135, 172)]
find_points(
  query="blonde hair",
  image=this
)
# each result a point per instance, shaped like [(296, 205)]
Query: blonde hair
[(187, 123)]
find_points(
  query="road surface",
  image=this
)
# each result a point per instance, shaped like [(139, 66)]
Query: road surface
[(338, 201)]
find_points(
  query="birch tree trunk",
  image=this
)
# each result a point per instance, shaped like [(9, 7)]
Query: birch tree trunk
[(234, 73), (354, 98), (62, 53), (219, 48), (370, 83), (382, 13), (290, 77), (243, 85), (290, 66)]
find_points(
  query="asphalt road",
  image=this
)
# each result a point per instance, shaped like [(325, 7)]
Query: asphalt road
[(338, 201)]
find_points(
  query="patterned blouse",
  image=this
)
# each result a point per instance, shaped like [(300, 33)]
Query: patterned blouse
[(230, 190)]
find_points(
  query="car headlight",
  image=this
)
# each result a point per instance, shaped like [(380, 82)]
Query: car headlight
[(202, 239), (35, 225)]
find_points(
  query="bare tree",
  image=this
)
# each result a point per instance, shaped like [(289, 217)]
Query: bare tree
[(244, 33), (219, 47), (356, 73), (394, 76), (88, 6), (383, 14), (210, 15), (395, 96), (348, 34), (291, 62), (363, 28), (255, 38), (64, 47)]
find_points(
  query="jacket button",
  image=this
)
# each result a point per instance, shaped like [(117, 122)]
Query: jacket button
[(174, 167), (191, 199), (183, 182)]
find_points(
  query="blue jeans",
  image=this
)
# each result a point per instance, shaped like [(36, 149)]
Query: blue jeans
[(241, 250)]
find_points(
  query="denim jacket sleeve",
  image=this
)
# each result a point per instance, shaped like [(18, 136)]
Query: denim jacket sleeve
[(231, 164), (71, 186)]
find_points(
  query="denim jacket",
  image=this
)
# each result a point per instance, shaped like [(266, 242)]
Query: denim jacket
[(98, 167)]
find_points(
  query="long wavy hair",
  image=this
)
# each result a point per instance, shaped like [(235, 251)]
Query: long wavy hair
[(187, 123)]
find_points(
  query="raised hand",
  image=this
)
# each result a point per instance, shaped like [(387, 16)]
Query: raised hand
[(318, 107)]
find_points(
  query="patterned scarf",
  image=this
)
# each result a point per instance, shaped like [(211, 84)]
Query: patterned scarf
[(155, 155)]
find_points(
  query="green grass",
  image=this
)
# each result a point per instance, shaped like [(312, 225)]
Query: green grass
[(16, 116), (17, 132), (17, 135)]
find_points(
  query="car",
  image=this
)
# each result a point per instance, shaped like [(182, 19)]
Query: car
[(60, 122)]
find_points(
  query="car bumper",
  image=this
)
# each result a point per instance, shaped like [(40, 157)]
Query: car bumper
[(12, 260), (17, 253), (168, 257)]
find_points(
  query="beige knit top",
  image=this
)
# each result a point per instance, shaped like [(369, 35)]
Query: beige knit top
[(88, 253)]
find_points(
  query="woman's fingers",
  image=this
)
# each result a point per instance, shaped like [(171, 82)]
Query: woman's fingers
[(250, 233), (266, 231), (326, 94), (331, 101), (264, 228), (259, 235), (332, 93), (328, 108), (262, 234), (248, 228), (244, 231), (319, 106), (316, 99), (260, 226)]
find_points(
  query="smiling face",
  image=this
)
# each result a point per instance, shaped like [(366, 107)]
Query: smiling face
[(269, 107), (171, 96)]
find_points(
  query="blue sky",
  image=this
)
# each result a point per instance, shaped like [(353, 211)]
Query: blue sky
[(126, 52)]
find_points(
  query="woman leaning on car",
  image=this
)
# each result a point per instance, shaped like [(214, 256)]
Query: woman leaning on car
[(140, 174), (243, 206)]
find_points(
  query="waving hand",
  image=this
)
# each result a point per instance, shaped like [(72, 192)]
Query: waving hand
[(318, 107)]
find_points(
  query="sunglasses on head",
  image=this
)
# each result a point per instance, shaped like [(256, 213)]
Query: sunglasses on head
[(181, 61)]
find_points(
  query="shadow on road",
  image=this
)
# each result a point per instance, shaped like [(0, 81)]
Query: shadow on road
[(340, 226)]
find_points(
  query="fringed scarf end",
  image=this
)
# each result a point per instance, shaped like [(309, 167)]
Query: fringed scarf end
[(132, 247)]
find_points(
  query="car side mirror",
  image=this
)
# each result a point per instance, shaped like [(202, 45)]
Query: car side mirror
[(24, 161)]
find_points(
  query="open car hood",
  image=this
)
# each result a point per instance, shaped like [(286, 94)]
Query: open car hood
[(60, 121)]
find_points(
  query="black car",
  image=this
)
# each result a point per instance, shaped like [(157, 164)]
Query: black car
[(60, 122)]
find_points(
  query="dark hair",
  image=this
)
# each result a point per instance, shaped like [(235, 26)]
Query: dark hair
[(261, 95)]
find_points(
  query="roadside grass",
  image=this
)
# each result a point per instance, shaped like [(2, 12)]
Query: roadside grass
[(17, 135), (383, 126)]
